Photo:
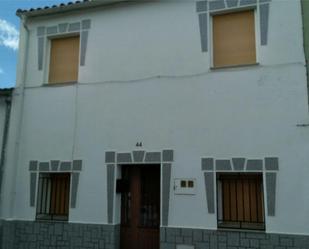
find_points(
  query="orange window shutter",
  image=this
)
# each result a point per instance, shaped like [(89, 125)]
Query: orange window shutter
[(234, 39), (64, 60)]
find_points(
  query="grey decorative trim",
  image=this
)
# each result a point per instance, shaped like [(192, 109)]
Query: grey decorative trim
[(77, 165), (36, 167), (65, 166), (138, 156), (83, 47), (110, 192), (264, 16), (44, 166), (75, 180), (272, 163), (41, 42), (40, 31), (254, 165), (86, 24), (124, 158), (223, 165), (110, 157), (74, 27), (206, 8), (215, 5), (153, 157), (207, 164), (168, 156), (271, 193), (82, 27), (201, 6), (231, 3), (244, 165), (52, 30), (247, 2), (63, 27), (239, 163), (210, 189), (54, 164), (33, 165), (203, 22), (166, 180), (33, 177)]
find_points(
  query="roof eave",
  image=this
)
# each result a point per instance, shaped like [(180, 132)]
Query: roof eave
[(65, 8)]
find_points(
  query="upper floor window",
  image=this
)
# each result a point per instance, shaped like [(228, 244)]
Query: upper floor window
[(64, 60), (234, 39), (240, 201)]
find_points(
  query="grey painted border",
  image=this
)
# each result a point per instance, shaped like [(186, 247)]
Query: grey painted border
[(110, 191), (236, 164), (206, 8), (53, 166), (164, 158), (81, 27)]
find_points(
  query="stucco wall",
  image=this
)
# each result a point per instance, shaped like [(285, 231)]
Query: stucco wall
[(248, 112)]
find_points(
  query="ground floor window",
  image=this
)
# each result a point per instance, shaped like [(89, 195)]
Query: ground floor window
[(240, 201), (53, 196)]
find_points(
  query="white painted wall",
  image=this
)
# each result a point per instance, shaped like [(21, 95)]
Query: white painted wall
[(248, 112)]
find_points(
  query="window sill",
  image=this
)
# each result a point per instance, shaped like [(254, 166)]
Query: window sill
[(234, 66), (60, 84)]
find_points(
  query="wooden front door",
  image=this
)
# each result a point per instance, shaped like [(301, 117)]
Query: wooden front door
[(140, 207)]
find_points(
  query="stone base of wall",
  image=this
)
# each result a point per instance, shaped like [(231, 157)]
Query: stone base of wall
[(58, 235), (61, 235), (212, 239)]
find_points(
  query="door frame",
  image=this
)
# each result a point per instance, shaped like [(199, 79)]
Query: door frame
[(114, 160)]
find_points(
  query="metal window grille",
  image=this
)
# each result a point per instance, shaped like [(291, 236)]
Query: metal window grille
[(53, 196), (240, 201)]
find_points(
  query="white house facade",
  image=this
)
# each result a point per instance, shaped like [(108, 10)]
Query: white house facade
[(159, 124)]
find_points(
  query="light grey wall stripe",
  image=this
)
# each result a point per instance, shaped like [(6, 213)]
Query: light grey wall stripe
[(40, 52), (83, 47), (86, 24), (203, 21), (166, 179), (210, 188), (75, 180), (110, 192), (110, 157), (168, 156), (271, 193), (264, 13), (33, 165), (32, 188)]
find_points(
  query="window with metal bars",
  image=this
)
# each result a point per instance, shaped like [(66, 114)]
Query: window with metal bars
[(53, 196), (240, 201)]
